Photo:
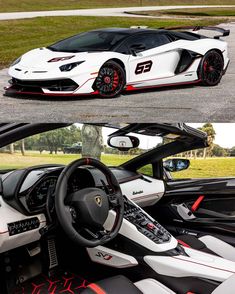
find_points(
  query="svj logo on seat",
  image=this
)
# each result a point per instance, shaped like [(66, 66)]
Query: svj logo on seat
[(104, 255)]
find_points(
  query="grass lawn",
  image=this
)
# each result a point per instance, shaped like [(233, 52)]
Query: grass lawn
[(8, 161), (19, 36), (30, 5), (199, 168)]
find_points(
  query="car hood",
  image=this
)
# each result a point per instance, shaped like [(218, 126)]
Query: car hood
[(45, 59)]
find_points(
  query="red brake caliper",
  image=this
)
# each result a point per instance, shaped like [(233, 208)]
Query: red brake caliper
[(205, 66), (115, 80)]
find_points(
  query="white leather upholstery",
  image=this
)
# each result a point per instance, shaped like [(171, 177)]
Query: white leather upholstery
[(227, 287), (219, 247), (151, 286)]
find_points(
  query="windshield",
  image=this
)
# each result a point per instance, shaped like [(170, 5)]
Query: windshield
[(90, 41), (64, 145)]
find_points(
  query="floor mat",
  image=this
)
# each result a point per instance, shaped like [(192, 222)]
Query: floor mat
[(65, 283)]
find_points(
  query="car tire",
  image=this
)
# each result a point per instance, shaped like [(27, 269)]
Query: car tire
[(211, 68), (111, 80)]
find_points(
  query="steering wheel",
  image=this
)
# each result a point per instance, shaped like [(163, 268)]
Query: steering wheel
[(82, 214)]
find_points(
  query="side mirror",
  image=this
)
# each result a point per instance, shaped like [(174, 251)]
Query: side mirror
[(136, 48), (176, 164), (123, 143)]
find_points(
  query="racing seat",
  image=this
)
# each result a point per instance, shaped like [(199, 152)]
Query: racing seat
[(120, 284), (208, 244)]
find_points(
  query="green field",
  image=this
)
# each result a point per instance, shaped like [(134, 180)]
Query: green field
[(199, 168), (19, 36), (8, 161), (30, 5)]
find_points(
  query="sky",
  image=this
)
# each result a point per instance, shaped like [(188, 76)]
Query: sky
[(225, 133)]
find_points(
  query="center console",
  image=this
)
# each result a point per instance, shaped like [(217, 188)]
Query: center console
[(144, 224), (143, 239)]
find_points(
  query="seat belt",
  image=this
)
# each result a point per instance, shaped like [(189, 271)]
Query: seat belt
[(197, 203)]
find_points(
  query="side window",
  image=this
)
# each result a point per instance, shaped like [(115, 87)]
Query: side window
[(123, 49), (161, 40), (146, 170), (149, 41)]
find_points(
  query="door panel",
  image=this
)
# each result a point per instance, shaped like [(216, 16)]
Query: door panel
[(199, 206), (163, 64)]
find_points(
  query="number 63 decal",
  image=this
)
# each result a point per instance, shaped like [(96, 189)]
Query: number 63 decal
[(143, 67)]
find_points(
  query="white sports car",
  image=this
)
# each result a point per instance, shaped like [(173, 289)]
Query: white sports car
[(108, 61)]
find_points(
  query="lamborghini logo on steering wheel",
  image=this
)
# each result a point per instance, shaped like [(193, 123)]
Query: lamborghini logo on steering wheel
[(98, 200)]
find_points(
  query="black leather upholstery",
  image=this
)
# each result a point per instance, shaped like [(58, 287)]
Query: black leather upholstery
[(195, 243), (115, 285)]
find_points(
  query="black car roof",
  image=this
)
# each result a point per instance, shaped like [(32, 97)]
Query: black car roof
[(129, 31), (185, 35)]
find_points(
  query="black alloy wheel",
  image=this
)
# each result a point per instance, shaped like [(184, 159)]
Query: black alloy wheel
[(111, 80), (211, 68)]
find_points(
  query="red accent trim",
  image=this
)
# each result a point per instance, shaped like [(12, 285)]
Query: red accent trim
[(197, 203), (96, 289), (150, 226), (50, 94), (132, 88), (83, 285), (88, 161), (56, 59), (36, 288), (94, 73), (191, 293), (183, 243), (209, 266)]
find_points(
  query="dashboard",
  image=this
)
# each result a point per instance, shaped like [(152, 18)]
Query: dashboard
[(36, 197), (27, 197), (29, 190)]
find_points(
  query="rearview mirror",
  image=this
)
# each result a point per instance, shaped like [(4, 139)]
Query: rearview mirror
[(176, 164), (123, 143), (136, 48)]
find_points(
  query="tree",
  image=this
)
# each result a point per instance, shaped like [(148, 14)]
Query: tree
[(12, 148), (218, 151), (22, 147), (209, 130), (92, 141), (232, 151), (54, 140)]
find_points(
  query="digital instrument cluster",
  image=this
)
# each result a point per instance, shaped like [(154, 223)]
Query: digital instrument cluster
[(38, 196), (45, 188)]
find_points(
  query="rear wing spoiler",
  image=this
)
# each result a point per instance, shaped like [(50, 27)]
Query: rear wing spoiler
[(224, 33)]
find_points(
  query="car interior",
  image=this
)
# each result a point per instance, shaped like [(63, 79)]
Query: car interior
[(90, 228)]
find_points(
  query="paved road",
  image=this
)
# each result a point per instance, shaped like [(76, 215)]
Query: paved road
[(97, 12), (188, 104)]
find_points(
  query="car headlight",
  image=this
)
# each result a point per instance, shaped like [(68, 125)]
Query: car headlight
[(69, 66), (16, 61)]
